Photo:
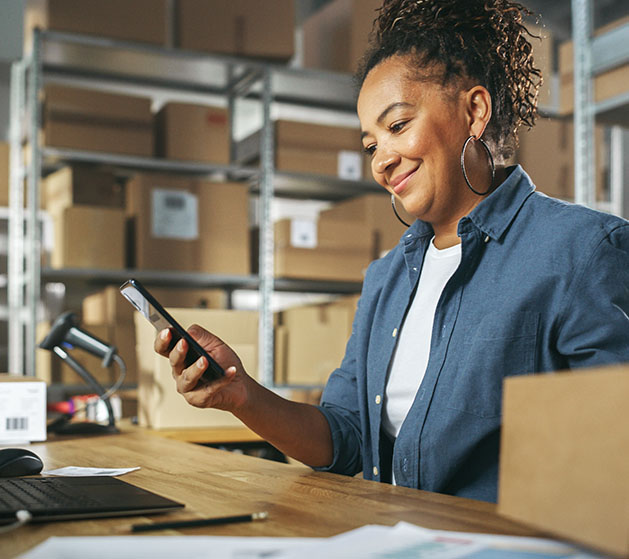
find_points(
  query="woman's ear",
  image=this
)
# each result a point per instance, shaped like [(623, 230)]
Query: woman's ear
[(478, 101)]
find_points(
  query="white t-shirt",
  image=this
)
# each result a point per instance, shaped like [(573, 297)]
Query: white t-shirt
[(409, 362)]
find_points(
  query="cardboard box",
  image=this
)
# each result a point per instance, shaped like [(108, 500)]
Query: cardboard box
[(564, 460), (160, 406), (239, 27), (117, 19), (336, 36), (110, 307), (88, 119), (22, 409), (89, 237), (81, 185), (334, 252), (314, 340), (4, 173), (192, 133), (189, 225), (606, 85), (556, 136), (375, 212)]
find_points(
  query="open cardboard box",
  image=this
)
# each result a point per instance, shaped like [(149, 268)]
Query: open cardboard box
[(564, 461)]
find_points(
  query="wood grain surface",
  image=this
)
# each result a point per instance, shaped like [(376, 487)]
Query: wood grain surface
[(211, 482)]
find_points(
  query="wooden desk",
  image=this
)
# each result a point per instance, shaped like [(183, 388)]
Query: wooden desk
[(213, 482)]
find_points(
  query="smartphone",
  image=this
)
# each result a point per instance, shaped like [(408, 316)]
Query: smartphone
[(148, 306)]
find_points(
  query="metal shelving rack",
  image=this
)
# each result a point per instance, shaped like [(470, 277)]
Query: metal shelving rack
[(592, 56), (62, 57)]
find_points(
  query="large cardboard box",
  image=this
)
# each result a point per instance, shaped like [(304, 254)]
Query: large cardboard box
[(375, 212), (325, 251), (239, 27), (609, 84), (117, 19), (189, 225), (192, 132), (82, 185), (4, 173), (88, 119), (22, 409), (160, 406), (556, 136), (321, 149), (336, 36), (89, 237), (312, 341), (564, 459)]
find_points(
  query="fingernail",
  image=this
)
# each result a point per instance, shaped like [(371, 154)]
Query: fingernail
[(180, 344), (164, 334), (231, 370), (201, 363)]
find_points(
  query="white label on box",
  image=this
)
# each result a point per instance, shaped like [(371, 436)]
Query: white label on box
[(303, 233), (350, 165), (175, 214), (22, 411)]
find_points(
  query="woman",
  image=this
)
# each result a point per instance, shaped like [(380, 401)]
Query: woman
[(492, 280)]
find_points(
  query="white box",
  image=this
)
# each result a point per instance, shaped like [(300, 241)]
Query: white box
[(22, 409)]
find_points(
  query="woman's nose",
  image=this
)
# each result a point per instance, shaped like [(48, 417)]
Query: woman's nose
[(383, 160)]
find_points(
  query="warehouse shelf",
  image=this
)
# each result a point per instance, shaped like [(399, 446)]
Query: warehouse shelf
[(164, 72), (78, 56), (301, 185), (162, 278)]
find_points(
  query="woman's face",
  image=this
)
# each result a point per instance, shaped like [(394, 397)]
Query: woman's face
[(414, 131)]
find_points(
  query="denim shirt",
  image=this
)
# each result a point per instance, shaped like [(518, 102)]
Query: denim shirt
[(542, 286)]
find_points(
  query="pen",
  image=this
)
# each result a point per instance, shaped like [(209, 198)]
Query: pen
[(199, 522)]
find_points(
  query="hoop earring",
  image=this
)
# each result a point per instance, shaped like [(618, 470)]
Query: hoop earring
[(395, 211), (491, 163)]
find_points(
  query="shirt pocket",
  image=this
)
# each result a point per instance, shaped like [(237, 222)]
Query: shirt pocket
[(504, 344)]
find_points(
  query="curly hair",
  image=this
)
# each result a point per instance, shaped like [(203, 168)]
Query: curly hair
[(462, 40)]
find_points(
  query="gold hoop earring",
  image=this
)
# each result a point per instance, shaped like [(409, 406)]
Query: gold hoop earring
[(491, 164), (395, 211)]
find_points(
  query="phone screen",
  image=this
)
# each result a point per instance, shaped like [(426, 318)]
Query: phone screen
[(148, 306)]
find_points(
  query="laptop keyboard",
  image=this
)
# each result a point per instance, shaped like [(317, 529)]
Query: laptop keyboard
[(39, 493)]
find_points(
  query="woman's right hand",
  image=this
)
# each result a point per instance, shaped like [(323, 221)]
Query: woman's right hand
[(229, 393)]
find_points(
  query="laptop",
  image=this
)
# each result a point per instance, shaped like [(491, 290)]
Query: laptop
[(70, 498)]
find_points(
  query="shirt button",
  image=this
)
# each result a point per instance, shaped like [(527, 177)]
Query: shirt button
[(394, 332), (487, 239), (375, 471), (378, 399), (414, 269)]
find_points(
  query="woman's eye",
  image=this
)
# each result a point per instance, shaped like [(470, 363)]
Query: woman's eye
[(397, 127), (370, 150)]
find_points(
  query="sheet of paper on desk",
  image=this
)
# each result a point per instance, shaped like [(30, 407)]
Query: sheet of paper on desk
[(164, 547), (406, 541)]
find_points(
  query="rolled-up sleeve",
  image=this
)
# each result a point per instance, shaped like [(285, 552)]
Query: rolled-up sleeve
[(340, 404), (595, 323)]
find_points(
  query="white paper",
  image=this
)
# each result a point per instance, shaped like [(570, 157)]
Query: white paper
[(22, 411), (303, 233), (350, 165), (175, 214), (77, 471), (164, 547)]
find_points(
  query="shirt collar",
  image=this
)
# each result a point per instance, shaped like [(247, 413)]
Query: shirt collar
[(496, 212)]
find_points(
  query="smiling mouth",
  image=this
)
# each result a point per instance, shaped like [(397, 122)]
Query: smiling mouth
[(400, 183)]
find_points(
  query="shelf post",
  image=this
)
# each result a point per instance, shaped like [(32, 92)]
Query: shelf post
[(16, 221), (267, 163), (33, 230), (584, 149)]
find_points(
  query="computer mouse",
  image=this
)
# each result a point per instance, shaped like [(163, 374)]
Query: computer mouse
[(19, 462)]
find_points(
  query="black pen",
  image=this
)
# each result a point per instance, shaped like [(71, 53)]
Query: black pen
[(199, 522)]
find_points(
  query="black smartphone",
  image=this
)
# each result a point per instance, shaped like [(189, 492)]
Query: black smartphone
[(148, 306)]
